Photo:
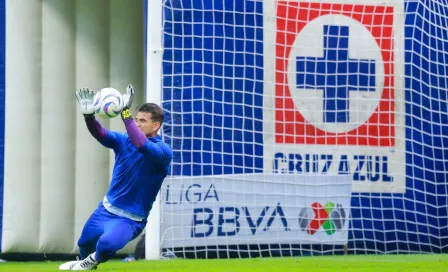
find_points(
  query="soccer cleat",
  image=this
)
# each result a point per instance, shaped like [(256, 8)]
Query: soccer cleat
[(68, 265), (88, 263)]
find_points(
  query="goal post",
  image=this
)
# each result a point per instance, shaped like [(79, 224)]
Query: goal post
[(300, 127), (153, 70)]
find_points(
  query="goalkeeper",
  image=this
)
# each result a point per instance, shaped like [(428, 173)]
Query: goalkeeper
[(141, 164)]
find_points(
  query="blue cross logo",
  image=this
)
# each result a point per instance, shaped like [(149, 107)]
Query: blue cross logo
[(336, 74)]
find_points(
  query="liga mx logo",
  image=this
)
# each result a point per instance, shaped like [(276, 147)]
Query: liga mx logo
[(334, 74), (330, 217)]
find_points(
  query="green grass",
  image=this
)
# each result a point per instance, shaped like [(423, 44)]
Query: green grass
[(377, 263)]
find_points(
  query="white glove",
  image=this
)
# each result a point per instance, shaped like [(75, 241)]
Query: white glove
[(128, 97), (85, 100)]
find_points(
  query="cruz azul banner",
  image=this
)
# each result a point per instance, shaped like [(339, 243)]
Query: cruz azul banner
[(338, 97)]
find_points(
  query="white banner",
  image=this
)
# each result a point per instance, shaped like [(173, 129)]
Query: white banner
[(255, 209)]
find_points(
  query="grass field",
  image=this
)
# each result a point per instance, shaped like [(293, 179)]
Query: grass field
[(377, 263)]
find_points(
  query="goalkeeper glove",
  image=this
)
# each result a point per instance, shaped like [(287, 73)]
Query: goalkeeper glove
[(128, 97), (85, 101)]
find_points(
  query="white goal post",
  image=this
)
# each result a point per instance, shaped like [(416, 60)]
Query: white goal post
[(299, 127), (153, 70)]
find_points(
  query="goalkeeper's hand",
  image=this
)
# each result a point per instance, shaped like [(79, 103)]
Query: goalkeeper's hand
[(128, 97), (85, 101)]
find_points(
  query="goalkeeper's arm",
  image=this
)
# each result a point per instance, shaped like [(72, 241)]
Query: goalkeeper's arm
[(107, 138), (138, 139), (95, 128)]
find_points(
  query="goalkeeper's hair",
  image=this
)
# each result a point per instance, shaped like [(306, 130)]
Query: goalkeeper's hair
[(156, 111)]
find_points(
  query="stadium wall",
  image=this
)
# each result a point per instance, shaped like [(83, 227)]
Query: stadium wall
[(55, 172)]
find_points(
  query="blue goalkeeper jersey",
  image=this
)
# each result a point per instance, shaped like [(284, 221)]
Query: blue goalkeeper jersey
[(138, 174)]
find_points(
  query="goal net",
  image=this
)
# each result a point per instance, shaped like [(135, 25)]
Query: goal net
[(304, 127)]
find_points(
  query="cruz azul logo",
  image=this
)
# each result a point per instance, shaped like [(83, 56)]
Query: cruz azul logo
[(335, 71), (338, 101)]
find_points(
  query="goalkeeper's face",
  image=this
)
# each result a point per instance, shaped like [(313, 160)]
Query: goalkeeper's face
[(146, 124)]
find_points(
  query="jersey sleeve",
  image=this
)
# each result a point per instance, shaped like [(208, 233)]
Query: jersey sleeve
[(109, 139), (159, 152), (112, 139)]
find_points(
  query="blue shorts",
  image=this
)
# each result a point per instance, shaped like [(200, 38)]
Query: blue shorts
[(106, 233)]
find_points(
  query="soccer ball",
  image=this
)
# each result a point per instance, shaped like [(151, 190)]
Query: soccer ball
[(108, 102)]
